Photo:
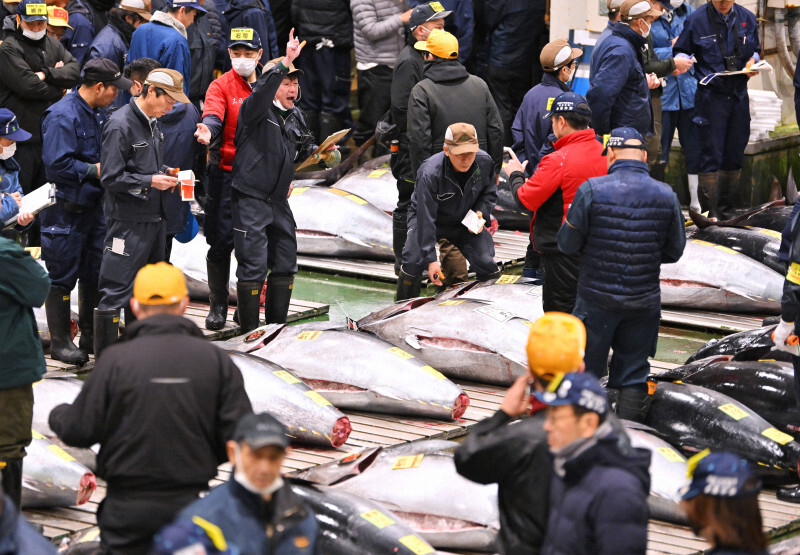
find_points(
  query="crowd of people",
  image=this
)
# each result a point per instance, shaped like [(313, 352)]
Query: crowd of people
[(110, 101)]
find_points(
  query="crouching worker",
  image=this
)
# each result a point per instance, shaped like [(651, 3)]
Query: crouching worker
[(255, 511), (450, 185), (10, 189)]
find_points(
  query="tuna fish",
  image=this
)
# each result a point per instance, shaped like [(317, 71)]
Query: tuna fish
[(373, 182), (191, 259), (358, 371), (695, 418), (758, 243), (350, 524), (53, 478), (713, 277), (309, 416), (747, 345), (774, 218), (512, 293), (507, 211), (463, 338), (333, 222), (418, 482), (767, 387)]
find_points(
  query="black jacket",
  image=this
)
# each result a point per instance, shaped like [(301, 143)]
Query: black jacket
[(21, 91), (263, 166), (408, 71), (315, 20), (162, 402), (515, 457), (448, 95), (131, 154), (203, 50)]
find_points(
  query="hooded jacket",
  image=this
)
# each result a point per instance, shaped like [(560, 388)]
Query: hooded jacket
[(78, 40), (112, 42), (448, 95), (180, 151), (257, 15), (162, 403), (164, 39), (680, 89)]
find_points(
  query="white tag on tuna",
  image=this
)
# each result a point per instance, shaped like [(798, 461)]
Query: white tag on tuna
[(118, 246), (473, 222)]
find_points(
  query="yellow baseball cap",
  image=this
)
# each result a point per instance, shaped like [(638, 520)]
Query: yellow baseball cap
[(159, 283), (441, 44), (57, 17), (556, 345)]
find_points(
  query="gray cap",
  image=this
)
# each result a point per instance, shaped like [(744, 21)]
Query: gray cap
[(260, 430)]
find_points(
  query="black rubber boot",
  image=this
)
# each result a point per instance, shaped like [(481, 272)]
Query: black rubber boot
[(312, 121), (489, 277), (790, 494), (106, 329), (633, 403), (728, 189), (88, 297), (279, 295), (408, 286), (399, 234), (658, 171), (328, 125), (218, 275), (248, 307), (58, 320), (11, 472), (709, 193)]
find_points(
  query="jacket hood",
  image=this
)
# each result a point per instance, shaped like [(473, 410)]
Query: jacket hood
[(165, 19), (76, 6), (177, 113), (233, 6), (124, 28), (161, 324), (444, 71), (553, 81), (606, 453)]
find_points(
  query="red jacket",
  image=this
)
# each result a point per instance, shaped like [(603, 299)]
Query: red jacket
[(550, 190), (223, 99)]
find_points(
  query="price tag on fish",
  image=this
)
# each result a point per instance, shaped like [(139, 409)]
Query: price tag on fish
[(309, 335), (671, 454), (317, 398), (417, 545), (411, 461), (401, 353), (496, 313), (505, 278), (433, 372), (59, 452), (374, 174), (733, 411), (473, 222), (450, 303), (286, 376), (377, 519), (777, 435)]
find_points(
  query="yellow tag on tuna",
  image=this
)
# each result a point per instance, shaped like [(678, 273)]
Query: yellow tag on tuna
[(286, 376), (401, 353), (309, 335), (437, 7), (241, 34), (777, 436), (377, 519), (299, 190), (671, 454), (450, 303), (505, 278), (417, 545), (433, 372), (376, 173), (411, 461), (36, 435), (357, 199), (58, 451), (317, 398), (733, 411), (793, 274), (36, 9)]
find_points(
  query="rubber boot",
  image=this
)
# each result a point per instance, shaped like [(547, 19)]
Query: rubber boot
[(279, 296), (218, 276), (328, 125), (708, 184), (789, 494), (312, 121), (489, 277), (248, 295), (633, 403), (408, 286), (399, 234), (694, 203), (106, 329), (58, 320), (728, 187), (88, 297), (11, 472)]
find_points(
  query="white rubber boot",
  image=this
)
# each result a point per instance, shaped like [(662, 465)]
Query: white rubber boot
[(694, 203)]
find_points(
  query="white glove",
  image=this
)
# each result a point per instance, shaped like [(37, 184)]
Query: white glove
[(781, 334)]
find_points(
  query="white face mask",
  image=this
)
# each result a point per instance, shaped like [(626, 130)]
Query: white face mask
[(676, 3), (244, 66), (646, 33), (8, 151), (38, 35), (245, 482)]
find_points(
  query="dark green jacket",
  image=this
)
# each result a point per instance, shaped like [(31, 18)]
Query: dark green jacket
[(651, 64), (24, 284)]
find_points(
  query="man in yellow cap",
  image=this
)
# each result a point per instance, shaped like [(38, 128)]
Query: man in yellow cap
[(162, 403)]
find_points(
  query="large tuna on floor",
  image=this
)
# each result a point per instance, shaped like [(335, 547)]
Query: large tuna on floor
[(333, 222), (774, 218), (51, 477), (513, 293), (767, 387), (754, 344), (696, 418), (191, 259), (373, 182), (713, 277), (463, 338), (758, 243), (349, 524), (309, 416), (358, 371), (419, 483)]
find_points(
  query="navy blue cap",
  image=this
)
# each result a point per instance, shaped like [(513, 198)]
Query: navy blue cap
[(427, 12), (9, 127), (569, 102), (32, 10), (576, 388), (176, 4), (624, 137), (720, 474), (260, 430), (244, 36)]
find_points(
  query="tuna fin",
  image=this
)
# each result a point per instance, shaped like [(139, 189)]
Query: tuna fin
[(699, 220), (356, 240), (791, 189), (413, 341), (388, 392), (736, 222), (775, 192)]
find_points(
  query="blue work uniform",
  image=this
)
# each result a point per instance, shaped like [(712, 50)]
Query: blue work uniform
[(78, 40), (109, 43), (9, 183), (74, 228), (722, 107), (255, 14), (163, 43)]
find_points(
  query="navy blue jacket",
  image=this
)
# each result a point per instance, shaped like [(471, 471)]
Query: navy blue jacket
[(618, 93), (78, 40), (796, 83), (460, 23), (603, 36), (599, 506), (438, 201), (624, 224), (511, 43), (699, 38), (530, 128), (255, 14), (165, 44), (243, 518), (680, 89), (110, 43), (72, 133), (17, 536), (181, 150)]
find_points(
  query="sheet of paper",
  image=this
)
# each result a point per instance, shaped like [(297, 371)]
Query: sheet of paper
[(473, 222), (36, 201)]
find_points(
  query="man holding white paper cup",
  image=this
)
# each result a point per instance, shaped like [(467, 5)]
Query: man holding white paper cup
[(454, 192)]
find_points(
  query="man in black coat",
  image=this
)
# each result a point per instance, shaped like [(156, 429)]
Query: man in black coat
[(162, 403)]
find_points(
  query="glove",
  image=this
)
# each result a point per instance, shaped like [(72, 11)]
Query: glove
[(781, 334), (332, 158)]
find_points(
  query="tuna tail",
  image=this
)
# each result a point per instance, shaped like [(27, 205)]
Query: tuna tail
[(775, 192), (737, 221), (699, 220), (791, 189), (331, 176)]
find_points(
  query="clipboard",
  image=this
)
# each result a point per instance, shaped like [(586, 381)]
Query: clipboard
[(763, 65), (35, 202), (314, 157)]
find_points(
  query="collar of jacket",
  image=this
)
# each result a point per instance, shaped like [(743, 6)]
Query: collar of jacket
[(161, 324), (582, 136), (140, 115), (122, 27), (8, 165), (164, 18), (625, 31), (287, 506), (629, 166), (445, 70), (552, 81)]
